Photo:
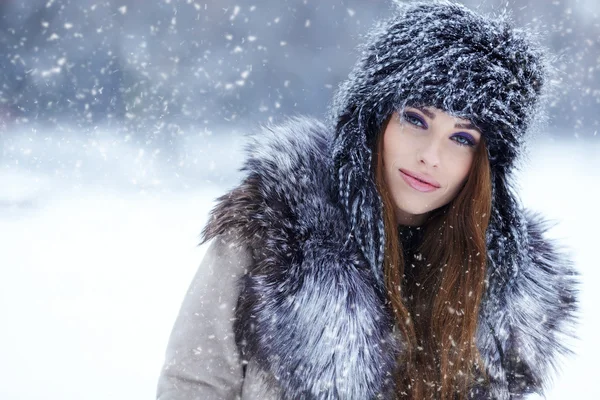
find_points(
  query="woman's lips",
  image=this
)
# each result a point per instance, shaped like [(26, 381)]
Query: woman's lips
[(417, 184)]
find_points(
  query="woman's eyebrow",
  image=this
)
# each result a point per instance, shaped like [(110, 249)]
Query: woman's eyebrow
[(426, 112), (466, 126)]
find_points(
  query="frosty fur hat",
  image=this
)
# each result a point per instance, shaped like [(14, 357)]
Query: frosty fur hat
[(438, 54)]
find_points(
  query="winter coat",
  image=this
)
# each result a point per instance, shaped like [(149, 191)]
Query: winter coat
[(286, 304)]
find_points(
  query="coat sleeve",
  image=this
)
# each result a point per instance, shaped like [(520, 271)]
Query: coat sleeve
[(202, 360), (537, 319)]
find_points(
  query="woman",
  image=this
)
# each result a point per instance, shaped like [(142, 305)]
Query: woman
[(386, 254)]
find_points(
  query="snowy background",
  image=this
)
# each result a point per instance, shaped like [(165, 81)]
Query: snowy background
[(119, 126)]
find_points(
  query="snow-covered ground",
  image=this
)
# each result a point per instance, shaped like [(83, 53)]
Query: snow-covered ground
[(98, 242)]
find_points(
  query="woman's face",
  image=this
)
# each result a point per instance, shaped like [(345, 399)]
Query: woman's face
[(433, 145)]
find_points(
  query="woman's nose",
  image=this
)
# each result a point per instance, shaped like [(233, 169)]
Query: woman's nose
[(429, 153)]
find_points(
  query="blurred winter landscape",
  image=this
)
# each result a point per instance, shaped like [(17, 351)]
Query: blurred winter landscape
[(122, 121), (96, 259)]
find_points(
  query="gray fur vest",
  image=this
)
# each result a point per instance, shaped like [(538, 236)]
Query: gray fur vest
[(311, 311)]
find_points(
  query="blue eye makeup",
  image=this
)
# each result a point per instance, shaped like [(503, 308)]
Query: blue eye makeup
[(414, 119), (464, 139)]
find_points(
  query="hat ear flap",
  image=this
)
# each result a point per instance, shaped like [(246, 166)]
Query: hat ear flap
[(506, 233), (358, 194)]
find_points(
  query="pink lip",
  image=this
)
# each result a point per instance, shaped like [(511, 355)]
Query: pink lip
[(417, 184)]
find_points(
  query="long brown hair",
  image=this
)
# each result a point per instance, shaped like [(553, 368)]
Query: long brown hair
[(436, 309)]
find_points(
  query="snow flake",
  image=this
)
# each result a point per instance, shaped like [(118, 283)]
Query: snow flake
[(236, 11), (51, 71)]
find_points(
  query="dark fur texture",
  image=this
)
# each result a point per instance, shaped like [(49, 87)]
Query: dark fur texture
[(311, 311)]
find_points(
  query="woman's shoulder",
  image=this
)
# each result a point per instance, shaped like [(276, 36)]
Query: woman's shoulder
[(531, 307), (229, 248), (202, 358)]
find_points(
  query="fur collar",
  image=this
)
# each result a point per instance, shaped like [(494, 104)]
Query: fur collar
[(312, 309)]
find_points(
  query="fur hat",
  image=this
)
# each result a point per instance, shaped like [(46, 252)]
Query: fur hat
[(443, 55)]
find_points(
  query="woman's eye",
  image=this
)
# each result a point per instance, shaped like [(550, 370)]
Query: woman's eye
[(414, 119), (463, 141)]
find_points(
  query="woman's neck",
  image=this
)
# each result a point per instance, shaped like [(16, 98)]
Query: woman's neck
[(406, 219)]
